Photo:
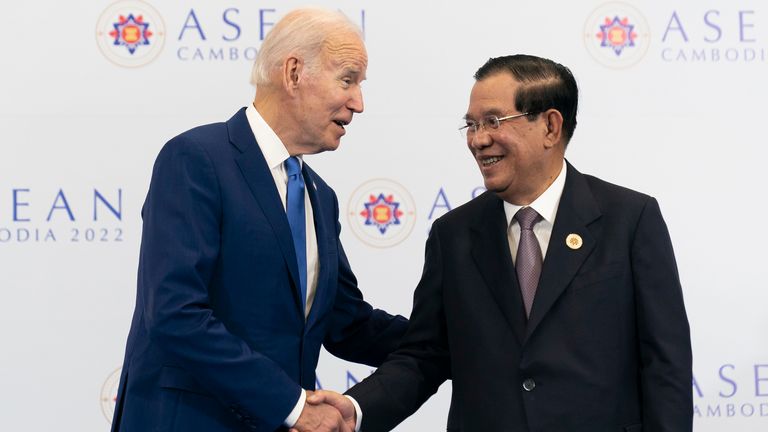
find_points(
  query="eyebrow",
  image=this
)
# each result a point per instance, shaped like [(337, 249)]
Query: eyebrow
[(354, 72), (494, 111)]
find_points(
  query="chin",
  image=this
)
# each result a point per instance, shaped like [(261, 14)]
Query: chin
[(489, 186), (328, 145), (333, 146), (489, 183), (493, 186)]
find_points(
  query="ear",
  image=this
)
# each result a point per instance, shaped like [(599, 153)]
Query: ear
[(292, 71), (554, 124)]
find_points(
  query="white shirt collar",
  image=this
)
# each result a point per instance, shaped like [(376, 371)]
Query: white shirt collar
[(271, 146), (546, 204)]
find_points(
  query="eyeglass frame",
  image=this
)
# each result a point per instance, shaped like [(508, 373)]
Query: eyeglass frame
[(466, 129)]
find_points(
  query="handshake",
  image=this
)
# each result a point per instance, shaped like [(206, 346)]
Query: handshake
[(326, 411)]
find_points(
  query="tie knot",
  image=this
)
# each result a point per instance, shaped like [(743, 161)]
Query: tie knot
[(292, 166), (527, 217)]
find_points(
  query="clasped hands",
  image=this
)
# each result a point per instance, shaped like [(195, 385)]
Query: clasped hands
[(326, 411)]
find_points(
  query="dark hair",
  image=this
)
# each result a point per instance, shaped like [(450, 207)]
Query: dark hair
[(544, 85)]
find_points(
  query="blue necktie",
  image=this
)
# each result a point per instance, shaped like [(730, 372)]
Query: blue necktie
[(294, 208)]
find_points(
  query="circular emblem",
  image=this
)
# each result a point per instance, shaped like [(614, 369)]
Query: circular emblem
[(130, 33), (381, 213), (574, 241), (108, 395), (617, 35)]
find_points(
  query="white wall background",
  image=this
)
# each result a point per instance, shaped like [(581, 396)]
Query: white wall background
[(684, 123)]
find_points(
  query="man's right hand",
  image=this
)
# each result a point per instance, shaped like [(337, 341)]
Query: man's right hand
[(320, 417), (338, 401)]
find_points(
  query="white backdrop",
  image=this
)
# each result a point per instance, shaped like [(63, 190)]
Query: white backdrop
[(675, 111)]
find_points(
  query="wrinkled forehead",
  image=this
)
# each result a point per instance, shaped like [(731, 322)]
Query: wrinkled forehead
[(345, 49)]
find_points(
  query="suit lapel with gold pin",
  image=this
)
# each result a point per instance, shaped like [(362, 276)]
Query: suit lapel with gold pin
[(571, 243)]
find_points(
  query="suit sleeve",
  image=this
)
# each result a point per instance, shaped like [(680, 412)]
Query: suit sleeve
[(179, 253), (358, 332), (663, 331), (421, 364)]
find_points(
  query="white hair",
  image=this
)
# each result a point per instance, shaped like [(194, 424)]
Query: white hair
[(302, 32)]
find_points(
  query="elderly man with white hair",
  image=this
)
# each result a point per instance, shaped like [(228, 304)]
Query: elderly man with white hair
[(242, 276)]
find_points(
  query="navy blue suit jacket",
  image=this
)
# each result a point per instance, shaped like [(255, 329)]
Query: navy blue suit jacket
[(219, 341)]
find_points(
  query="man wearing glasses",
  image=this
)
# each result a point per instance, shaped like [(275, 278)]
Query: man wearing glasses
[(552, 301)]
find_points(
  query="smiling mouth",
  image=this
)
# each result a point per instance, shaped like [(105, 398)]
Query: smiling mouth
[(488, 161), (341, 123)]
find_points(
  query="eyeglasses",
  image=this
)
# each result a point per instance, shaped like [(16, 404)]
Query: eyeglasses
[(492, 122)]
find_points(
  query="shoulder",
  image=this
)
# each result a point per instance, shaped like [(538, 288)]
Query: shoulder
[(205, 144), (200, 137), (611, 197), (618, 206)]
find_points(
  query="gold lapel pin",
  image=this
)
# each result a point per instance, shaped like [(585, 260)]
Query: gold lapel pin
[(574, 241)]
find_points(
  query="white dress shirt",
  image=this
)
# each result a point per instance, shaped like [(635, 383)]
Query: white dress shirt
[(276, 154), (545, 205)]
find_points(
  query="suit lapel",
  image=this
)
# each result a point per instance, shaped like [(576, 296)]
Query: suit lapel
[(577, 210), (257, 175), (322, 290), (490, 252)]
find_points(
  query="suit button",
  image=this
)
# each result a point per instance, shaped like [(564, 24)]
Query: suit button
[(529, 384)]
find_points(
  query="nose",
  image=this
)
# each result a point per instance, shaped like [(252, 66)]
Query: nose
[(355, 102), (481, 139)]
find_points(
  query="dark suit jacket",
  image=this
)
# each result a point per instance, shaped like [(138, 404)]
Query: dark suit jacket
[(219, 341), (607, 345)]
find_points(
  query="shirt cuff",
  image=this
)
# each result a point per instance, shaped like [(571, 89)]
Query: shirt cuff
[(293, 417), (358, 412)]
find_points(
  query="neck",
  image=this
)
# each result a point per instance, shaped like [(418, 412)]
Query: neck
[(267, 104), (526, 197)]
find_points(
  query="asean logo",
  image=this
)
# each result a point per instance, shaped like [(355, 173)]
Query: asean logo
[(108, 396), (130, 33), (381, 213), (617, 35)]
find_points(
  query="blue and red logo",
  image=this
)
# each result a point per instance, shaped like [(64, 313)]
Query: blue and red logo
[(130, 33), (616, 35), (381, 213)]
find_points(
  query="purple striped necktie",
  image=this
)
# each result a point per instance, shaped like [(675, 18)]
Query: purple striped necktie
[(529, 260)]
